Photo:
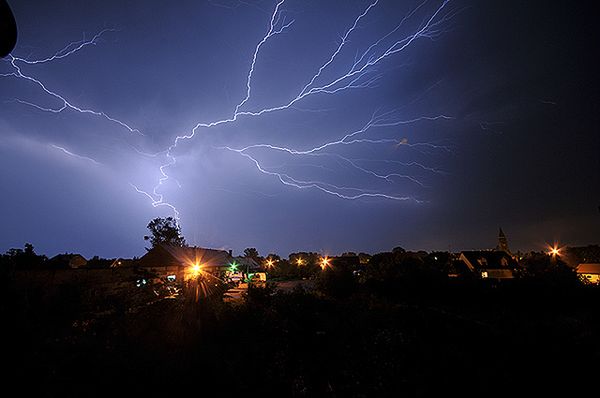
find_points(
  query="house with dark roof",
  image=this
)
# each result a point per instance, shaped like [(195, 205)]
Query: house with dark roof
[(67, 261), (176, 262), (489, 264)]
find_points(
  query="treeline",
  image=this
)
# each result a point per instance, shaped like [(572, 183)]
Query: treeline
[(28, 259)]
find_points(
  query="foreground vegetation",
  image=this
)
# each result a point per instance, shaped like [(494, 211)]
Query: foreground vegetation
[(394, 328)]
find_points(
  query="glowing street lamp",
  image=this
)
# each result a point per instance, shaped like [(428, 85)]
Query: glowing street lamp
[(299, 261), (270, 263), (196, 268), (324, 262), (555, 251)]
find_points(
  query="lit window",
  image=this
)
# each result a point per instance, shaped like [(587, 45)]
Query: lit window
[(171, 278), (484, 274)]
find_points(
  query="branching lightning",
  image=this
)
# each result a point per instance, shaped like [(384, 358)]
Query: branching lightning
[(359, 76), (70, 49), (362, 73)]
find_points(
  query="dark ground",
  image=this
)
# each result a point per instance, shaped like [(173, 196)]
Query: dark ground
[(466, 338)]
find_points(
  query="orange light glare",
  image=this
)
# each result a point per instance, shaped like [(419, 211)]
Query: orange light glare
[(196, 268), (554, 250)]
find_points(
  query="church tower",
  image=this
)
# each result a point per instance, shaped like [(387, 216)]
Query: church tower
[(502, 242)]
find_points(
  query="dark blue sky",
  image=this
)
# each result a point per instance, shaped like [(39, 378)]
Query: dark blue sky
[(487, 118)]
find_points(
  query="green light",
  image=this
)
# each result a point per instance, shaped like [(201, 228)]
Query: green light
[(233, 267)]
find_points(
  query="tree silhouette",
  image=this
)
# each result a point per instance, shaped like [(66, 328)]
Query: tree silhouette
[(252, 253), (24, 258), (165, 231)]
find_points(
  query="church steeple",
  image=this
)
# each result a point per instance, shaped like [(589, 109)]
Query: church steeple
[(502, 242)]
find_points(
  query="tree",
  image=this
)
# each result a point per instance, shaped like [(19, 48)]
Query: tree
[(309, 263), (24, 258), (252, 253), (548, 270), (274, 257), (165, 231)]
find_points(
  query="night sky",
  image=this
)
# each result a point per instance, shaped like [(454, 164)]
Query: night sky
[(487, 119)]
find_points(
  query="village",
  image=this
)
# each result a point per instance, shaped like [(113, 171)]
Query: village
[(170, 267)]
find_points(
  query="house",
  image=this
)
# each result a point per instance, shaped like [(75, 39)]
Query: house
[(246, 264), (489, 264), (67, 261), (589, 272), (178, 263)]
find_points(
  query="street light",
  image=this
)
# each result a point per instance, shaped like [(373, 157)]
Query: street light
[(554, 250), (299, 261), (196, 269), (324, 262)]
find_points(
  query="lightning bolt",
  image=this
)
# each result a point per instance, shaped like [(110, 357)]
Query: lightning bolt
[(157, 202), (324, 187), (361, 74), (67, 152), (70, 49), (358, 76)]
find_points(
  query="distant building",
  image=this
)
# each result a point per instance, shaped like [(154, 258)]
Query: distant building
[(589, 272), (67, 260), (489, 264), (175, 262), (502, 242)]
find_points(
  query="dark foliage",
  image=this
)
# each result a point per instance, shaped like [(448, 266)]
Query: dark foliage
[(395, 327), (252, 253), (165, 231), (25, 258)]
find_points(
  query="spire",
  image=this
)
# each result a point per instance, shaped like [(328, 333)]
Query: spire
[(502, 242)]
